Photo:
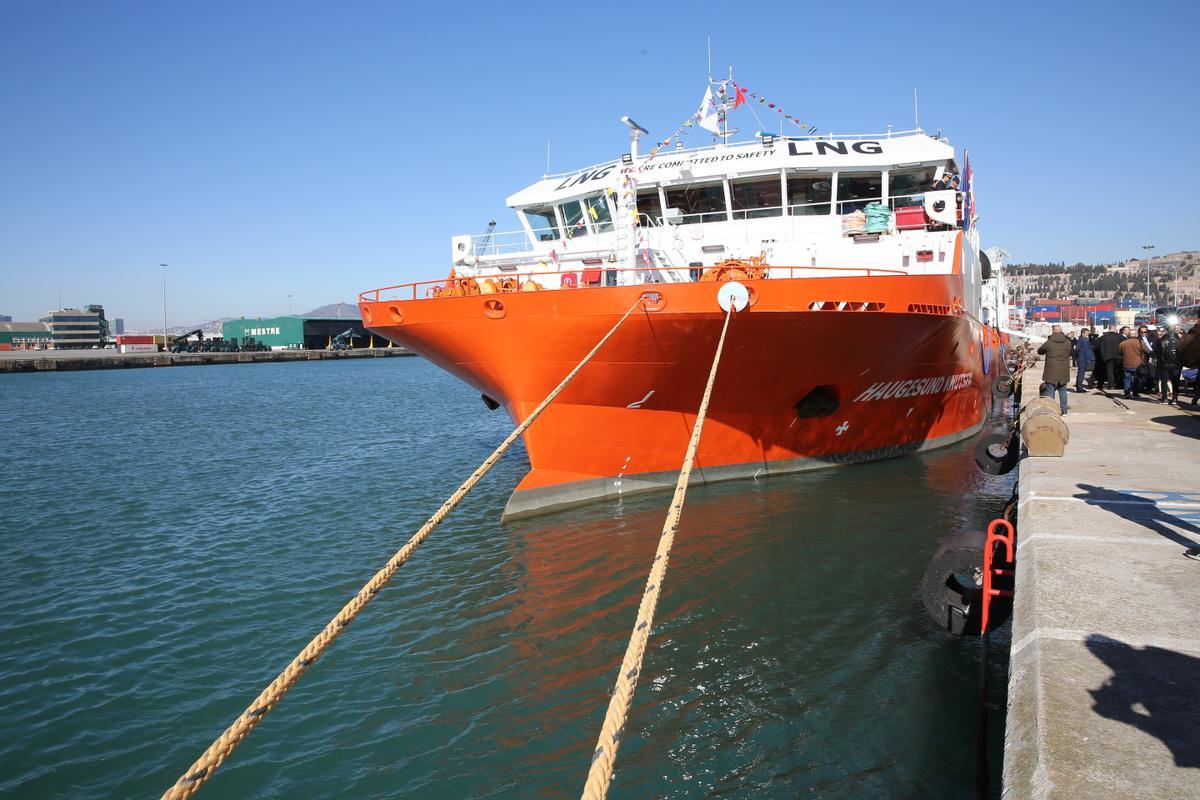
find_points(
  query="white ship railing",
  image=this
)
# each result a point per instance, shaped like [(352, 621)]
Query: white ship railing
[(635, 276)]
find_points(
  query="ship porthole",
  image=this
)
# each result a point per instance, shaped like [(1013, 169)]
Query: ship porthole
[(493, 309), (653, 301), (397, 317)]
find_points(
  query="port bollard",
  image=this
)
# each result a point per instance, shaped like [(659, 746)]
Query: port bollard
[(1038, 404), (1043, 430)]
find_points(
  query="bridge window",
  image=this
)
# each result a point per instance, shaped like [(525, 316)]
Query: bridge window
[(572, 215), (649, 206), (543, 223), (906, 186), (756, 197), (809, 193), (698, 202), (856, 189), (597, 209)]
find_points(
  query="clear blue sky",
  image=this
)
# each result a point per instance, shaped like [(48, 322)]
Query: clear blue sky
[(263, 149)]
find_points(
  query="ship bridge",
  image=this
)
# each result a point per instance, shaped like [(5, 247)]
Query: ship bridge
[(794, 201)]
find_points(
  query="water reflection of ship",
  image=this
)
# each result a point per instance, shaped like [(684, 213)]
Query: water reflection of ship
[(819, 540)]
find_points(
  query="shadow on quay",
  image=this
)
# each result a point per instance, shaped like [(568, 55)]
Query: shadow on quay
[(1154, 690), (1186, 424), (1146, 511)]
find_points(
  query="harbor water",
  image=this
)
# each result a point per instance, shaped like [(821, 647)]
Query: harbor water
[(171, 538)]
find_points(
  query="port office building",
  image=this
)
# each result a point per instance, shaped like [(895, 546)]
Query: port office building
[(299, 333), (75, 329)]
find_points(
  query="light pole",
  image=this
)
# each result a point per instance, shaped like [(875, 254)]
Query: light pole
[(164, 269), (1148, 248), (289, 305)]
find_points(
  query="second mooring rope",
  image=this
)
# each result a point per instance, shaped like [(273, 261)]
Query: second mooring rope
[(212, 758), (605, 755)]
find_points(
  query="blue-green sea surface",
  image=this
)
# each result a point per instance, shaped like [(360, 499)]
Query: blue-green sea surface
[(171, 538)]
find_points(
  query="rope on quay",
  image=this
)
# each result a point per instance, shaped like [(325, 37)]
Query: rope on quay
[(212, 758), (603, 759)]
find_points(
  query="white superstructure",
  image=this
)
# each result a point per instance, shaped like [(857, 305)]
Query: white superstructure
[(794, 203)]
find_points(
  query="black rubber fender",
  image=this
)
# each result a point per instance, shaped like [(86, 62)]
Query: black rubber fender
[(1003, 387), (948, 590), (997, 453)]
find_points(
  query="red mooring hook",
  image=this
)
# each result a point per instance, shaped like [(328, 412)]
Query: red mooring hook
[(989, 571)]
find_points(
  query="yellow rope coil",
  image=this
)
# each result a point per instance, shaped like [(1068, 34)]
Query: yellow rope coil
[(605, 755), (212, 758)]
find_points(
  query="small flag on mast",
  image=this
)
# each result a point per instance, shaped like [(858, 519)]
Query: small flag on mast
[(707, 116)]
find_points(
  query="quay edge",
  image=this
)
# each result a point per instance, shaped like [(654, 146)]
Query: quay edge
[(1103, 696)]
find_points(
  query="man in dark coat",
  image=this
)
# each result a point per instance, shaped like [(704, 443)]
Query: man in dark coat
[(1110, 354), (1099, 370), (1057, 372), (1166, 353), (1084, 358)]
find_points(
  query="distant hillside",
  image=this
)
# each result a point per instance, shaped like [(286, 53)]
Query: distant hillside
[(1173, 277), (210, 328), (334, 311)]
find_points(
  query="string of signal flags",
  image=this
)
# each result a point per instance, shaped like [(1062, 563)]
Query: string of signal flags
[(742, 96), (741, 93)]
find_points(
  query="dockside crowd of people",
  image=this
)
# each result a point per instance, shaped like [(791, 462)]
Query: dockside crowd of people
[(1151, 363)]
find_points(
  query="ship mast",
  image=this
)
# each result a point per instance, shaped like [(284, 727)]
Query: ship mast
[(724, 104)]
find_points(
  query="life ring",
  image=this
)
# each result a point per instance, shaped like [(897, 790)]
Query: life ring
[(570, 280)]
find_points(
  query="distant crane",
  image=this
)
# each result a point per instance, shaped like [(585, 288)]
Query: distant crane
[(180, 344), (343, 340)]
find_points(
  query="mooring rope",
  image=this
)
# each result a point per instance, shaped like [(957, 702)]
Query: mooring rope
[(212, 758), (603, 759)]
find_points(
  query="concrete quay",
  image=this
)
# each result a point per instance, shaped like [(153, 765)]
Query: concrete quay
[(1104, 681), (54, 360)]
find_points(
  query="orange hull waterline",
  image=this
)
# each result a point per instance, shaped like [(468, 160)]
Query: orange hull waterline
[(853, 346), (797, 389)]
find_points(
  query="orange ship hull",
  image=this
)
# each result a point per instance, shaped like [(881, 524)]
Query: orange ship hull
[(889, 366)]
